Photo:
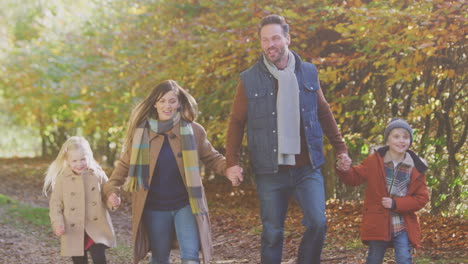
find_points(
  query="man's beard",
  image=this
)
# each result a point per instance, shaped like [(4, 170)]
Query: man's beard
[(280, 51)]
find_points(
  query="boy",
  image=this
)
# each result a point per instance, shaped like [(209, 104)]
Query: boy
[(396, 189)]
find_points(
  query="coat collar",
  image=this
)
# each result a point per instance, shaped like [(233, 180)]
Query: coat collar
[(174, 132), (407, 160), (419, 163), (69, 173)]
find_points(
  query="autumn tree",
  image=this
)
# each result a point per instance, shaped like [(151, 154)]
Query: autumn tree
[(78, 67)]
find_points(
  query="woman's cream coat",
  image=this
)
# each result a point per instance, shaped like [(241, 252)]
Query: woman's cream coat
[(207, 154), (76, 204)]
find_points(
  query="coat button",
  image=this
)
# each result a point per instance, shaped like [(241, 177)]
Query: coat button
[(92, 189), (172, 136), (94, 203), (72, 225), (95, 219), (179, 154), (72, 194), (73, 209)]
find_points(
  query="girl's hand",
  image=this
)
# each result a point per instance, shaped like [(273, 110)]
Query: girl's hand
[(114, 200), (387, 202), (59, 230)]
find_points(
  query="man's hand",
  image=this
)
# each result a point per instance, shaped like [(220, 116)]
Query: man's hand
[(234, 174), (114, 200), (343, 163)]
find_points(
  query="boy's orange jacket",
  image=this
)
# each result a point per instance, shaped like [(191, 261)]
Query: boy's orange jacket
[(376, 222)]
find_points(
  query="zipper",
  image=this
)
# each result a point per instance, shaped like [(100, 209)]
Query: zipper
[(395, 171), (388, 190)]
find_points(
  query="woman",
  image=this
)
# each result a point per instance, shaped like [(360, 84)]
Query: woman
[(159, 166)]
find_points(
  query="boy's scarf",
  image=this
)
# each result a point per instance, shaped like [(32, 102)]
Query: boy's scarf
[(138, 173), (287, 105), (398, 178)]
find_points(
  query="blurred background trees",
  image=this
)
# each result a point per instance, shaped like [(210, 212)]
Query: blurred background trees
[(78, 67)]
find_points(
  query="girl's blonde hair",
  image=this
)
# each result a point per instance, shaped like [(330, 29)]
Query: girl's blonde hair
[(188, 107), (60, 163)]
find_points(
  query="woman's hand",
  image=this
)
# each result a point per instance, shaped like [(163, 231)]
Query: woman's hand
[(234, 174)]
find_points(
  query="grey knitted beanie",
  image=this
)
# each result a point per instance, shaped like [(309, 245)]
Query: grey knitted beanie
[(397, 123)]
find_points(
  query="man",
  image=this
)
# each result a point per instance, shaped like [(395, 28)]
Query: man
[(280, 101)]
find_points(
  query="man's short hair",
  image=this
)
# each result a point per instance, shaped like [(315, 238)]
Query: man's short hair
[(274, 19)]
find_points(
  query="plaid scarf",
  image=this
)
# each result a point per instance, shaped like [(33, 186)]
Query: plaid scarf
[(398, 178), (138, 173)]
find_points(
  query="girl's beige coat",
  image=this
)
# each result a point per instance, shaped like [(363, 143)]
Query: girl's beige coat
[(206, 153), (76, 203)]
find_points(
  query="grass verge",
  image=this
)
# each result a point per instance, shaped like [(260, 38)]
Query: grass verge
[(35, 220), (14, 211)]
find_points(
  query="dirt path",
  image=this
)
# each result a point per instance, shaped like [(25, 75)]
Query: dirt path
[(235, 225), (23, 182)]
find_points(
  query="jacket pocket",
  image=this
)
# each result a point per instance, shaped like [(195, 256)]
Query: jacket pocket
[(259, 154), (258, 103), (310, 86), (374, 223)]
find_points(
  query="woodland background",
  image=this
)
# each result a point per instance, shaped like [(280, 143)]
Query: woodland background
[(72, 67)]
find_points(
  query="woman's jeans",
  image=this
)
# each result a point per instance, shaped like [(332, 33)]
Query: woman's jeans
[(402, 250), (274, 191), (160, 226)]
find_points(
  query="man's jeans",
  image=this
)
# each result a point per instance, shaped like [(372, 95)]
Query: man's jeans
[(274, 191), (402, 250), (160, 225)]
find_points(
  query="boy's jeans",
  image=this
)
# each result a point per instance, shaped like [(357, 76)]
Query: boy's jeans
[(274, 191), (402, 250), (160, 225)]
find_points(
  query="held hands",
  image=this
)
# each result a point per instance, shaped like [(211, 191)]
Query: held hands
[(343, 163), (114, 200), (387, 202), (59, 230), (234, 174)]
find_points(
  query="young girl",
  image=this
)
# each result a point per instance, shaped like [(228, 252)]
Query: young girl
[(160, 165), (396, 188), (77, 212)]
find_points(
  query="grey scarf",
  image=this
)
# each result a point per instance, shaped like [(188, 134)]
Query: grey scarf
[(287, 106)]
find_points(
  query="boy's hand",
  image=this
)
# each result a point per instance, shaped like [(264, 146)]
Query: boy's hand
[(114, 200), (59, 230), (343, 163), (387, 202)]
